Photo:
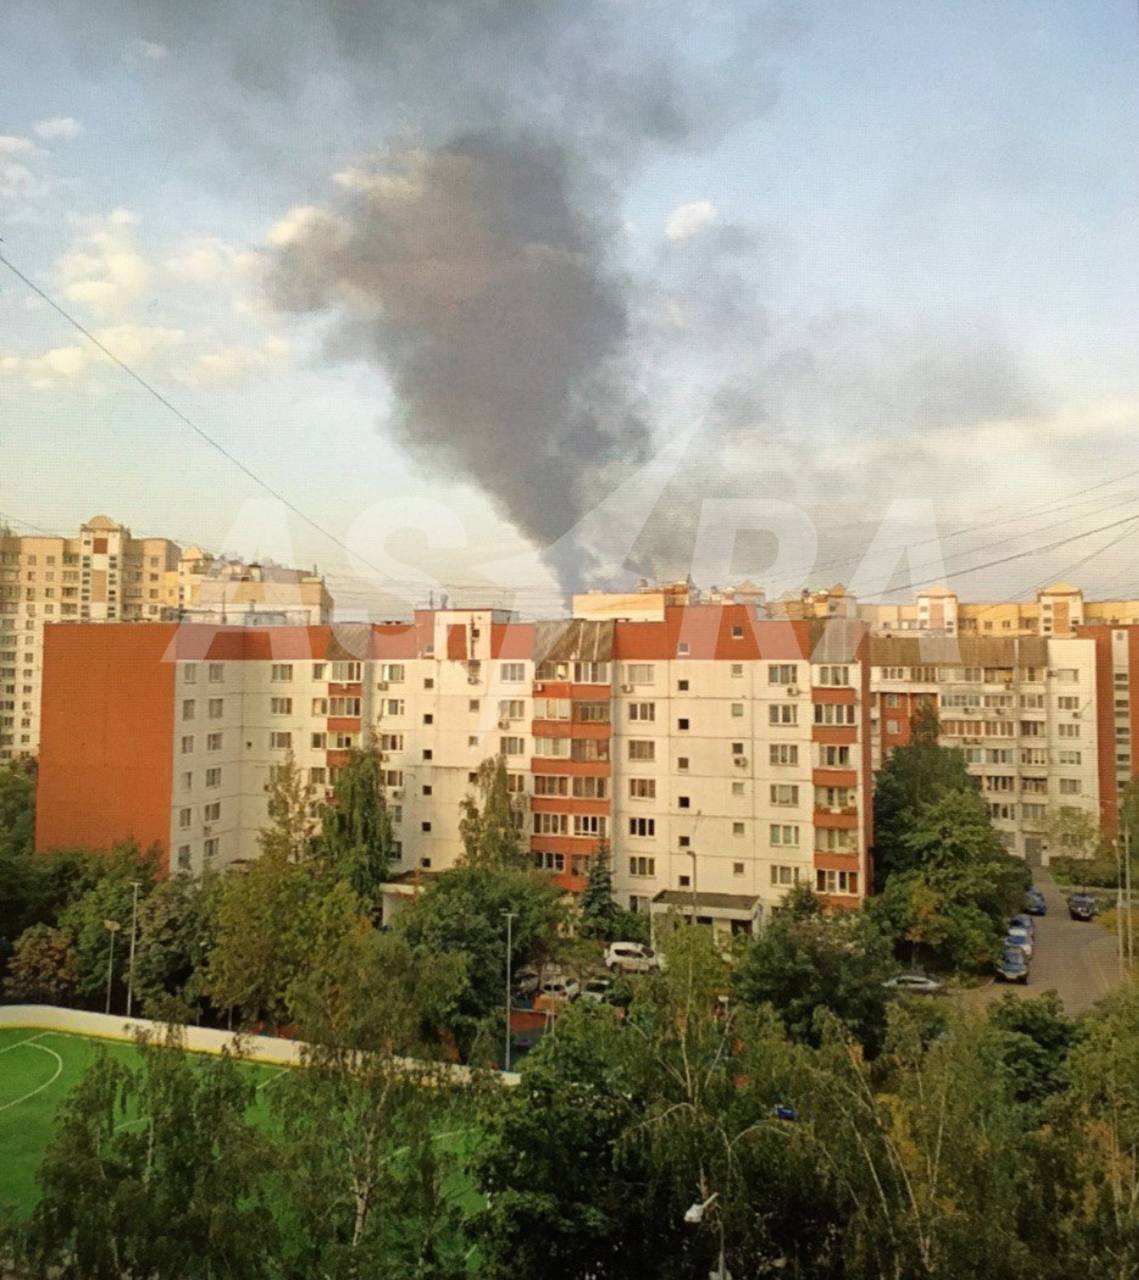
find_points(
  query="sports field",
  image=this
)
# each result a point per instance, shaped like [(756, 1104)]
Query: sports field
[(37, 1071)]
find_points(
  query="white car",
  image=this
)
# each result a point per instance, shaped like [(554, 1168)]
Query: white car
[(559, 990), (631, 957), (597, 990), (1019, 936)]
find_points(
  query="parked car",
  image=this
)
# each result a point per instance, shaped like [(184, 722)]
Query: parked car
[(1013, 965), (557, 990), (1081, 906), (597, 989), (1025, 921), (1034, 903), (1018, 937), (631, 957), (917, 984)]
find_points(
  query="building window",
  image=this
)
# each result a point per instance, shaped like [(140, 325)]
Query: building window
[(682, 686), (782, 673), (784, 793), (783, 875), (783, 753), (828, 713), (782, 713), (784, 834), (347, 672), (425, 826), (844, 882), (737, 670), (642, 788), (737, 868), (281, 706), (640, 673), (738, 789), (217, 672), (737, 633), (737, 710), (642, 867), (281, 671), (833, 676), (190, 673), (642, 827), (642, 749), (187, 745), (212, 812), (684, 802), (682, 764), (739, 829), (512, 746), (642, 711), (280, 741), (512, 672), (682, 724), (392, 672), (183, 857)]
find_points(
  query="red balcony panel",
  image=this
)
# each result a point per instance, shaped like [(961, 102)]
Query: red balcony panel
[(567, 804), (840, 695), (343, 724), (353, 690), (834, 777), (571, 768), (835, 735), (847, 820)]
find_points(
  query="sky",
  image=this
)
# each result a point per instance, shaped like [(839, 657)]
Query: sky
[(494, 296)]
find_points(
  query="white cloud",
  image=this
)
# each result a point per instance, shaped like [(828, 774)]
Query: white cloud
[(686, 219), (236, 366), (146, 51), (60, 364), (10, 145), (134, 344), (59, 128), (104, 268), (302, 222)]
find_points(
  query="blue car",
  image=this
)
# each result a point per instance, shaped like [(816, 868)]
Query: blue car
[(1034, 903), (1013, 966)]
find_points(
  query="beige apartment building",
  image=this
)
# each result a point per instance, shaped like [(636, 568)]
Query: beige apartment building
[(104, 574)]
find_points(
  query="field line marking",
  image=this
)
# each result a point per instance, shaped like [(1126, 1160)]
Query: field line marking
[(275, 1076), (46, 1084), (17, 1045)]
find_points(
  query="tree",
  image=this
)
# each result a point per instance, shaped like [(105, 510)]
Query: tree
[(808, 959), (175, 937), (356, 840), (1074, 833), (154, 1172), (599, 910), (17, 809), (43, 968), (292, 827), (462, 912), (489, 822), (360, 1173), (1034, 1039), (914, 776)]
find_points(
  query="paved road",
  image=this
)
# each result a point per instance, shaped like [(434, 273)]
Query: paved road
[(1076, 959)]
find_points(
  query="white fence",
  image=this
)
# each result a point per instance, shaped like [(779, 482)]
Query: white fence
[(103, 1026)]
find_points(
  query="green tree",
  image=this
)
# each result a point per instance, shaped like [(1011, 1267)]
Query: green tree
[(490, 820), (599, 911), (17, 809), (356, 841), (175, 937), (808, 959), (154, 1173), (913, 777), (1034, 1039), (43, 968), (1075, 833), (292, 827), (462, 912)]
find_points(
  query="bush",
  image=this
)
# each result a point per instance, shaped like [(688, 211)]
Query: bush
[(1100, 872)]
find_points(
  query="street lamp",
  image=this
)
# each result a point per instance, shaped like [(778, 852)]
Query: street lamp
[(511, 916), (694, 1215), (112, 927), (134, 933)]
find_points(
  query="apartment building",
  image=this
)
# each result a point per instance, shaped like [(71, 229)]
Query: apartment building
[(722, 758), (104, 574)]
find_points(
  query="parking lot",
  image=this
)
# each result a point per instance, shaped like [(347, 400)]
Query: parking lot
[(1076, 959)]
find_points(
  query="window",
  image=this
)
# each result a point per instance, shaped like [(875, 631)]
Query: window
[(281, 706), (428, 718), (546, 784), (559, 748), (737, 633), (392, 672), (510, 709), (784, 793), (591, 673), (472, 739), (391, 741), (783, 753), (281, 671), (642, 827), (217, 708), (280, 741), (512, 746), (642, 711), (217, 672), (188, 709), (739, 829), (782, 673), (1067, 675), (682, 764), (1068, 757), (512, 672), (642, 788), (213, 777), (640, 673), (835, 713), (737, 670), (784, 875), (185, 817), (551, 824), (190, 673), (642, 749), (212, 812), (738, 789), (591, 712), (1067, 730), (551, 708), (833, 676), (642, 867), (183, 857), (682, 686), (347, 672), (844, 882), (831, 841), (318, 670), (737, 868), (782, 713), (1068, 703), (1070, 786), (394, 706), (339, 706), (213, 742), (320, 706), (682, 724), (590, 824), (319, 741), (187, 744), (591, 788), (683, 649), (781, 833), (210, 848), (188, 781), (425, 826)]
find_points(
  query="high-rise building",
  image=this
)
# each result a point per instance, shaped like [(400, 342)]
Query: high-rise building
[(105, 574), (721, 757)]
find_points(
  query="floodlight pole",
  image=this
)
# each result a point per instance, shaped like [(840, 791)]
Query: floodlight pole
[(134, 933), (510, 916), (112, 927)]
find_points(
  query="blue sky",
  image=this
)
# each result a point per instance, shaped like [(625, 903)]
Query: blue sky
[(938, 204)]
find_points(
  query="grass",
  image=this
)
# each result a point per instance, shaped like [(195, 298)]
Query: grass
[(38, 1069)]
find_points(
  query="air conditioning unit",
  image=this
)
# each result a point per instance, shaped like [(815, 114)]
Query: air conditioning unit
[(792, 691), (397, 793), (207, 830), (472, 679), (627, 688), (740, 761), (504, 723), (385, 755), (382, 684)]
